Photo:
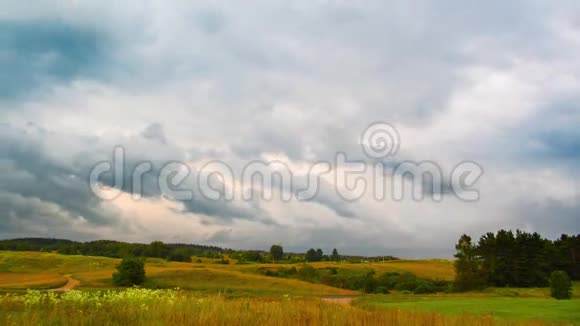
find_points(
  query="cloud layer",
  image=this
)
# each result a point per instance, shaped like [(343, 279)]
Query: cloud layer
[(299, 81)]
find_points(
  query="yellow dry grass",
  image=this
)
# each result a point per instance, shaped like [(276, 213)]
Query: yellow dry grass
[(425, 268), (145, 307), (25, 281), (206, 277)]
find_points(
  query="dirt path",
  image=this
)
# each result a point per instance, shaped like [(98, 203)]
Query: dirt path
[(339, 300), (70, 284)]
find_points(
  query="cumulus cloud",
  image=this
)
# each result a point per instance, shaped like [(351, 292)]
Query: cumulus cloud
[(495, 83)]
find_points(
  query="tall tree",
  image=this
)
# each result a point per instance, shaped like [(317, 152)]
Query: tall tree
[(504, 274), (319, 254), (311, 255), (131, 272), (468, 273), (335, 257), (157, 249), (277, 252)]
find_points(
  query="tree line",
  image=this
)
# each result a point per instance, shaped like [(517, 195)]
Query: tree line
[(177, 251), (114, 249), (519, 259)]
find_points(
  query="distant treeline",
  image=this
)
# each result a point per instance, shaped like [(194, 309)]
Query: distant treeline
[(114, 249), (312, 255), (517, 259), (174, 251)]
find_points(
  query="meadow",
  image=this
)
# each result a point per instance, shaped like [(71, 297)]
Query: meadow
[(210, 293), (509, 308), (174, 307)]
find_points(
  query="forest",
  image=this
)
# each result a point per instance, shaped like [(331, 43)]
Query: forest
[(519, 259)]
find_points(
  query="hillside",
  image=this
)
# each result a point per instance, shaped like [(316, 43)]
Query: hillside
[(41, 270)]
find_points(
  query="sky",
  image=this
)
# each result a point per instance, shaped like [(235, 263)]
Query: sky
[(297, 82)]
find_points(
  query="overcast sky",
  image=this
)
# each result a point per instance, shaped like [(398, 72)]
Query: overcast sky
[(497, 83)]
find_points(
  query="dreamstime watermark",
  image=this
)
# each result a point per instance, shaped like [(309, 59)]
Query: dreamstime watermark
[(270, 179)]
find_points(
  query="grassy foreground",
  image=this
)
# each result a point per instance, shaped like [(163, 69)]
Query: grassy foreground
[(172, 307), (546, 309)]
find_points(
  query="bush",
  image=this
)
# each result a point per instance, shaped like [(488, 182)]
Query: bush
[(560, 285), (388, 280), (425, 287), (407, 282), (131, 272), (308, 273), (180, 254), (382, 290)]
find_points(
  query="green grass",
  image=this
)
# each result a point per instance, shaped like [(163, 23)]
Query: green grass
[(203, 278), (172, 307), (38, 262), (235, 283), (544, 309)]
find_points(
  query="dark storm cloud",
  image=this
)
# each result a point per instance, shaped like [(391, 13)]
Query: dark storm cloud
[(42, 53), (29, 171)]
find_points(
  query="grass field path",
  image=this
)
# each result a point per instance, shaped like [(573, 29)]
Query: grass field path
[(69, 285), (342, 300)]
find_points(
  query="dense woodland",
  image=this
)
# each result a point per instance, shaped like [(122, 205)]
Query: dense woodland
[(517, 259)]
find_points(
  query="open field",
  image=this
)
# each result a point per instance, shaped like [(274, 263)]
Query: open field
[(140, 306), (428, 268), (545, 309), (27, 281), (206, 278), (214, 293)]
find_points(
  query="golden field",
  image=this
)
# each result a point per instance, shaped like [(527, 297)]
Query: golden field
[(216, 294), (171, 307)]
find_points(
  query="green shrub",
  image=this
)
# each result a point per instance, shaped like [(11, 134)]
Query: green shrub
[(131, 272), (180, 254), (382, 290), (388, 280), (407, 282), (308, 273), (560, 285), (425, 287)]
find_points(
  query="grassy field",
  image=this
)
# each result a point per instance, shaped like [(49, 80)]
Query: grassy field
[(429, 268), (27, 281), (216, 294), (157, 307), (203, 278), (544, 309)]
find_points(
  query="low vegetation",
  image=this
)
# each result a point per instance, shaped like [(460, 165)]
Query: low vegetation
[(175, 307), (506, 308), (365, 280), (560, 285)]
